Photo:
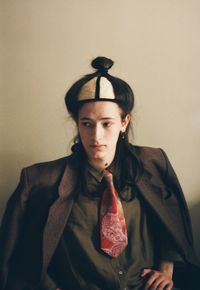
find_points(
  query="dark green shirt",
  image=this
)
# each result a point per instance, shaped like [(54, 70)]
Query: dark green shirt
[(81, 262)]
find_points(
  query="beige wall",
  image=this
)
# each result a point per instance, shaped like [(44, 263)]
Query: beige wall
[(46, 45)]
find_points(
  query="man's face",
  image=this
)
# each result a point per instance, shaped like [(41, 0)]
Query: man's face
[(99, 125)]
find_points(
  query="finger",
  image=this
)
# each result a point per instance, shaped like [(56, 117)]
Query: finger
[(153, 276), (145, 272), (169, 287), (161, 282), (158, 282), (165, 285)]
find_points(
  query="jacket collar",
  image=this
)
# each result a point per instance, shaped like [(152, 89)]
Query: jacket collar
[(59, 212), (69, 179)]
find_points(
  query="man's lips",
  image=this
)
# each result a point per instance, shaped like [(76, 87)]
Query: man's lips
[(97, 146)]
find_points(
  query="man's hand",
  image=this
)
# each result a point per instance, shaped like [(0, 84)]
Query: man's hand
[(157, 280)]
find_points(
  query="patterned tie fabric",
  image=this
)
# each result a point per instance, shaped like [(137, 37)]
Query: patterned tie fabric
[(113, 232)]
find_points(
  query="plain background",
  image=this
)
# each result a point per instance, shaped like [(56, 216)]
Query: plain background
[(46, 45)]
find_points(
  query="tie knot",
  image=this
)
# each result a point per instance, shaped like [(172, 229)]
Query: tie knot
[(108, 176)]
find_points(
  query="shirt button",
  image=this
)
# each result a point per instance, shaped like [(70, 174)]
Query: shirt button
[(120, 272)]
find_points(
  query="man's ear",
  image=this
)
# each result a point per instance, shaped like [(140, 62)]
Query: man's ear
[(125, 122)]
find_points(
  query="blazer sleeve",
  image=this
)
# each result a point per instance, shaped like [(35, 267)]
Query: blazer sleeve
[(161, 190), (173, 183), (12, 224)]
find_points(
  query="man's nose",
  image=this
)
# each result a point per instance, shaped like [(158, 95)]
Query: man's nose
[(97, 132)]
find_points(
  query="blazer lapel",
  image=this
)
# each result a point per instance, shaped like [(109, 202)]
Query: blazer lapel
[(58, 214), (162, 200)]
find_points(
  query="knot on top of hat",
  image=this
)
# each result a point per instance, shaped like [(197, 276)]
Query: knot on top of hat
[(102, 64)]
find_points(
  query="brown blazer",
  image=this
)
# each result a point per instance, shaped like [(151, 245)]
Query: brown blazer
[(38, 210)]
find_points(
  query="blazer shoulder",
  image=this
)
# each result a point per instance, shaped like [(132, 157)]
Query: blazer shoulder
[(46, 172), (152, 158), (149, 153)]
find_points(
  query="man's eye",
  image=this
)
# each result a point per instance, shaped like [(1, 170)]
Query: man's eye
[(86, 124), (107, 124)]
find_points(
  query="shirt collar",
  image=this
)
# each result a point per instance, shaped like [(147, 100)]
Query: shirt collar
[(98, 174)]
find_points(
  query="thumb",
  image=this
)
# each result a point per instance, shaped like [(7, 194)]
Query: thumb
[(145, 272)]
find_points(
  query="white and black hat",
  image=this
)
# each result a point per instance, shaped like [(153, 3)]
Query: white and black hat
[(99, 86)]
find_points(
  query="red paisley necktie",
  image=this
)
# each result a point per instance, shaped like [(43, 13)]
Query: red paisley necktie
[(113, 232)]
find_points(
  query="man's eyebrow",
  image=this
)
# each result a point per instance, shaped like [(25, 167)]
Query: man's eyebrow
[(90, 119)]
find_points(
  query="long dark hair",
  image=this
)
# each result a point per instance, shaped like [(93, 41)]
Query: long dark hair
[(125, 157)]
